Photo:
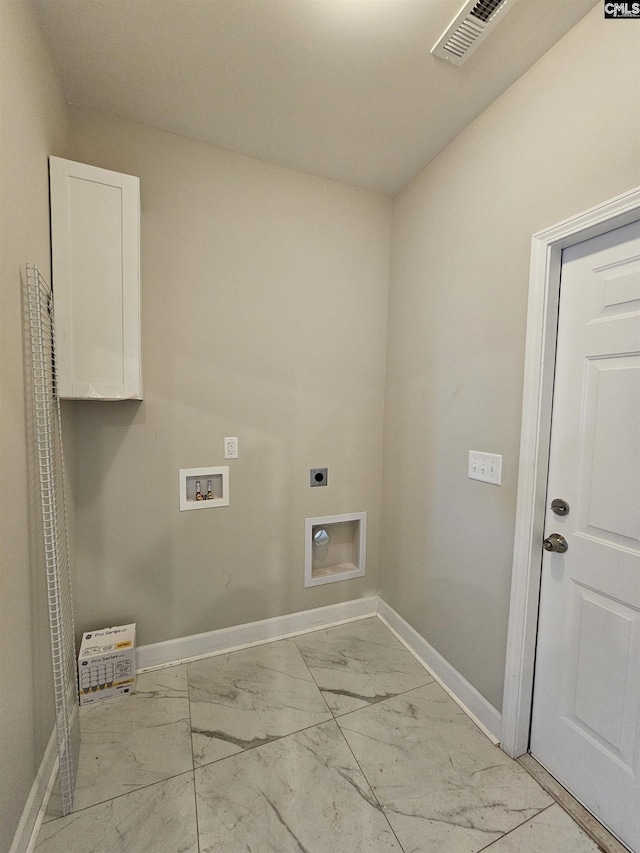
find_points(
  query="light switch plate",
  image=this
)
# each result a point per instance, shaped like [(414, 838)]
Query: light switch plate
[(486, 467)]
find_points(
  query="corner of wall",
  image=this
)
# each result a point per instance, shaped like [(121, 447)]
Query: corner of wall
[(33, 125)]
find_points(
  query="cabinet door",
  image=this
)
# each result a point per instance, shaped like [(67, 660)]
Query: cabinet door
[(95, 234)]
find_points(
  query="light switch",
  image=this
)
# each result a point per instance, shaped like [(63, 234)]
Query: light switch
[(486, 467)]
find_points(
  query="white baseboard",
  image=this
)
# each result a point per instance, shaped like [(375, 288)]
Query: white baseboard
[(182, 649), (24, 840), (482, 712)]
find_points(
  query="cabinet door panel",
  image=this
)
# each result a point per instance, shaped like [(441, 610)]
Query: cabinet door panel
[(95, 216)]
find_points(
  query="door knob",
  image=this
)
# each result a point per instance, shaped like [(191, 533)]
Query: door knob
[(555, 542)]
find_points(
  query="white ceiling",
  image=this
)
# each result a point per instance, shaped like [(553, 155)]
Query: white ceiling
[(345, 89)]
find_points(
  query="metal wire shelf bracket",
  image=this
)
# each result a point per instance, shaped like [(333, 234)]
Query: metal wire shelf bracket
[(50, 471)]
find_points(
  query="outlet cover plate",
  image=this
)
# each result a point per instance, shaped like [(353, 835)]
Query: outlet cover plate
[(486, 467), (231, 447), (318, 476)]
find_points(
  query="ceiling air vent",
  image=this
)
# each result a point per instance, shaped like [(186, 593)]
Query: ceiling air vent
[(469, 28)]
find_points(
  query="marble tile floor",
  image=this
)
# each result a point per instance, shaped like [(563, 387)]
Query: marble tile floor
[(335, 740)]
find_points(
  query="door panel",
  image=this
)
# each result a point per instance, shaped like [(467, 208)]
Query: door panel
[(602, 630), (611, 459), (586, 710)]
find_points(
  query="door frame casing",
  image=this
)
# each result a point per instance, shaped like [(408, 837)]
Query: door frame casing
[(542, 321)]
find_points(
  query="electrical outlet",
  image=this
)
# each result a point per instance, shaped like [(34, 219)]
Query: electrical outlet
[(318, 476), (231, 448), (486, 467)]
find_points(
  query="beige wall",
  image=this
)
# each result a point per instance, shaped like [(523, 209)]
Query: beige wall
[(32, 125), (264, 303), (565, 137), (264, 316)]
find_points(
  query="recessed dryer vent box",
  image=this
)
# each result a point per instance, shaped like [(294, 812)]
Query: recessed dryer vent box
[(204, 488), (335, 548), (107, 663)]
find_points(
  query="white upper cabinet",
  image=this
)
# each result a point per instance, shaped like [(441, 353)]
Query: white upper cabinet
[(95, 235)]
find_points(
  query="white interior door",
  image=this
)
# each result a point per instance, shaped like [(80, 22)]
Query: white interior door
[(586, 708)]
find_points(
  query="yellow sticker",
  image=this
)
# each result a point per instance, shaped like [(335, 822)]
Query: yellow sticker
[(123, 645)]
